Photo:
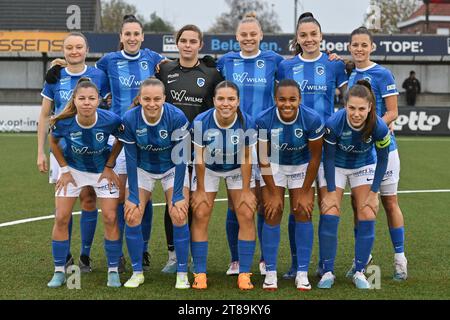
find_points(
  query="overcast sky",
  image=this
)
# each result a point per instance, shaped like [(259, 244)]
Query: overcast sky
[(335, 16)]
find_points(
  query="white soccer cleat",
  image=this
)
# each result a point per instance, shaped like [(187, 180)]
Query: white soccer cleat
[(182, 281), (135, 281), (400, 269), (351, 272), (302, 282), (271, 281), (360, 281), (233, 268), (262, 268), (327, 281)]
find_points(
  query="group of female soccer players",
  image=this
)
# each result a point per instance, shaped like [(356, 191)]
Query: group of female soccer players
[(262, 123)]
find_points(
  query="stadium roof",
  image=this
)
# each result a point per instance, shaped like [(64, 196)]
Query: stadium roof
[(439, 12), (51, 15)]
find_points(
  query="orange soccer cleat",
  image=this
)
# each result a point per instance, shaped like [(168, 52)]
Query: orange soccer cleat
[(200, 281), (244, 281)]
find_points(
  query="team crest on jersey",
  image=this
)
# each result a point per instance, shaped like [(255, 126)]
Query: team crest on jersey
[(320, 70), (201, 82), (163, 134), (144, 65), (260, 64), (298, 133), (234, 139), (368, 140), (121, 128), (100, 136)]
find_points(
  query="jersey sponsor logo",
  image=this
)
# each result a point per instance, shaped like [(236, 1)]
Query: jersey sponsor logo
[(298, 133), (144, 65), (320, 70), (391, 87), (163, 134), (384, 143), (75, 135), (127, 81), (178, 96), (347, 148), (79, 150), (346, 133), (243, 77), (174, 75), (201, 82), (141, 132), (297, 69), (99, 136), (65, 94), (240, 77), (238, 62), (312, 87), (260, 64)]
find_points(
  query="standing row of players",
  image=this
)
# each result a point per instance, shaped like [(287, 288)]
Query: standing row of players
[(189, 84)]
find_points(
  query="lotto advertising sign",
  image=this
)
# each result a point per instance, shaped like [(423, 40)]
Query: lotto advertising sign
[(429, 121)]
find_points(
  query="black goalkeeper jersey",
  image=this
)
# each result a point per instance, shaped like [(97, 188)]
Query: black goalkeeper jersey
[(190, 89)]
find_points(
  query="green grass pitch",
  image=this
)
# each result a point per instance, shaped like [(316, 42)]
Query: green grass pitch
[(26, 261)]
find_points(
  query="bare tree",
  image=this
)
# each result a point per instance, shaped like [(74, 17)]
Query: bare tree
[(113, 12), (384, 15), (227, 22)]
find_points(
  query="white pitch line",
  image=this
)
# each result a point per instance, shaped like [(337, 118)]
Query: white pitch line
[(13, 223)]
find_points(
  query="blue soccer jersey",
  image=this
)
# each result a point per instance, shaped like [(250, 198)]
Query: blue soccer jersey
[(255, 77), (61, 91), (87, 149), (352, 151), (126, 74), (318, 80), (223, 147), (289, 140), (383, 85), (155, 142)]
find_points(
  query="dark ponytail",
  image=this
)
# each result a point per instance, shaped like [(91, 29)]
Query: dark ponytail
[(363, 90), (304, 18), (229, 84)]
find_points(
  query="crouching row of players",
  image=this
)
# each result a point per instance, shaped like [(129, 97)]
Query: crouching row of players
[(291, 141)]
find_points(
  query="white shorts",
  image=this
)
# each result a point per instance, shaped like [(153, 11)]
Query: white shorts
[(232, 178), (83, 179), (121, 164), (291, 177), (53, 173), (147, 180), (321, 181), (356, 177), (389, 184)]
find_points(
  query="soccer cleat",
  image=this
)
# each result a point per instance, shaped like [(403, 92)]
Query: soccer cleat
[(171, 266), (85, 264), (271, 281), (146, 261), (244, 281), (319, 272), (182, 281), (200, 281), (122, 263), (233, 268), (290, 274), (351, 271), (113, 280), (59, 278), (302, 282), (327, 281), (69, 261), (400, 269), (360, 281), (135, 281), (262, 268)]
